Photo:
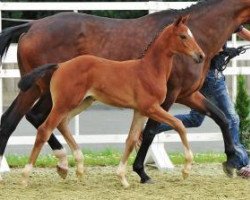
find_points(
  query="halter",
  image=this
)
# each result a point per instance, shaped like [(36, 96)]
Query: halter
[(228, 53)]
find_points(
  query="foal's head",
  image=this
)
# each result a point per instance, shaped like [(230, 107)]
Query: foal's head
[(183, 41)]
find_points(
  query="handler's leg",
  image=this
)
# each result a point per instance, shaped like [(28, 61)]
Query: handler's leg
[(220, 97)]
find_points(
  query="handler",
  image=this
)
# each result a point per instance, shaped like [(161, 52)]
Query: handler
[(216, 91)]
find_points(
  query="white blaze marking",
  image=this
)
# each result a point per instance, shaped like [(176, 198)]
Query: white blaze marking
[(190, 33)]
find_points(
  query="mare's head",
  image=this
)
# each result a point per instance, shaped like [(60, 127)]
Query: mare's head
[(183, 41)]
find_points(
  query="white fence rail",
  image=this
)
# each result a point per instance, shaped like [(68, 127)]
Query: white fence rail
[(151, 6)]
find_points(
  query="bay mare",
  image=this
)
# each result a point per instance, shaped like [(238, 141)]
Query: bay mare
[(138, 84), (63, 36)]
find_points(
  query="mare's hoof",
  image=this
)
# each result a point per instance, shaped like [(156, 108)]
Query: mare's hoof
[(147, 181), (229, 171), (63, 172)]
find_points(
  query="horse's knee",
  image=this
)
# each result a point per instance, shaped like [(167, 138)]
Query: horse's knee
[(42, 134), (178, 126)]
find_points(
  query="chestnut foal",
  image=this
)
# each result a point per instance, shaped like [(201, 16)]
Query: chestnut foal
[(138, 84)]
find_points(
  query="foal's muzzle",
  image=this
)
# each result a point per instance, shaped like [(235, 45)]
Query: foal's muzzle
[(198, 57)]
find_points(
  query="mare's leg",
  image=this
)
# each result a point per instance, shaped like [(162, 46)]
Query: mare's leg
[(13, 115), (159, 114), (134, 133), (36, 117), (43, 133), (198, 102)]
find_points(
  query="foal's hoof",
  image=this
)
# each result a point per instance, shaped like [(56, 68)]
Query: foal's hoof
[(185, 174), (229, 171), (24, 182), (79, 175), (63, 172), (1, 179), (125, 183)]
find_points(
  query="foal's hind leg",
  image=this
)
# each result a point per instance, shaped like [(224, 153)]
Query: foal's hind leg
[(43, 134), (36, 117), (134, 133), (159, 114), (65, 131)]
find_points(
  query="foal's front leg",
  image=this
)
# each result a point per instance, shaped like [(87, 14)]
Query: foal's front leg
[(159, 114), (198, 102), (134, 133)]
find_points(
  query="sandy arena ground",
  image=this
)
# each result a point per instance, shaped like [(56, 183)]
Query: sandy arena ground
[(206, 182)]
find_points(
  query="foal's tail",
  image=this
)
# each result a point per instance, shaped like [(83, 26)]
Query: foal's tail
[(29, 79), (9, 34)]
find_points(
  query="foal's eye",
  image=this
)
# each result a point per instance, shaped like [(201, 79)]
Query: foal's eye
[(183, 37)]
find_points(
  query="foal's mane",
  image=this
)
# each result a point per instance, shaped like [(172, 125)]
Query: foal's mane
[(150, 44), (173, 13)]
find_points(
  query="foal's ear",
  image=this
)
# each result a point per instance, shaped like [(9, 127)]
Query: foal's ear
[(181, 19), (185, 19), (178, 21)]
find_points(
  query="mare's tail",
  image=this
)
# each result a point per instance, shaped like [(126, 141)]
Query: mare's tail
[(9, 34), (29, 79)]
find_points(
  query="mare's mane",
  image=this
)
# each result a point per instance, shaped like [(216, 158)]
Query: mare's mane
[(201, 4)]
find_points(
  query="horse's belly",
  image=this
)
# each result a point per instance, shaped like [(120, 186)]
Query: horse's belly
[(118, 99)]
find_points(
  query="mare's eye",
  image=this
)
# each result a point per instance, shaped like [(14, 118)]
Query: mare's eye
[(183, 37)]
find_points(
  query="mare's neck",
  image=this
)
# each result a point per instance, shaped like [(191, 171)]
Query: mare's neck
[(214, 29)]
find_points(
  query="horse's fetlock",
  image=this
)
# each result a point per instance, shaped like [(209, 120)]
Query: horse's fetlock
[(78, 156), (137, 168), (179, 126)]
